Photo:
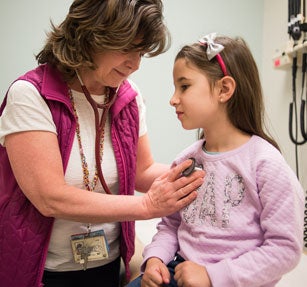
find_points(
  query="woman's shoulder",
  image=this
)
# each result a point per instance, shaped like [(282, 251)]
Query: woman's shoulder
[(133, 85), (22, 90)]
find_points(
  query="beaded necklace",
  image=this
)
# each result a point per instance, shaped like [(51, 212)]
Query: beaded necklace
[(100, 122), (90, 186)]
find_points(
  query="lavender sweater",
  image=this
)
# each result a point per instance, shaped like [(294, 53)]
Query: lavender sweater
[(246, 225)]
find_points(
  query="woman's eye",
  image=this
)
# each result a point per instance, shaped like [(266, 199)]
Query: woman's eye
[(128, 51)]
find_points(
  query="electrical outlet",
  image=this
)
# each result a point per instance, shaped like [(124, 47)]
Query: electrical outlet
[(283, 58), (282, 61)]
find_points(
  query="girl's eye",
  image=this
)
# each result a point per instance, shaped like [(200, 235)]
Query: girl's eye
[(184, 87)]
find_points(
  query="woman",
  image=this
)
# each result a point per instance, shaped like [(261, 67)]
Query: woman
[(73, 136)]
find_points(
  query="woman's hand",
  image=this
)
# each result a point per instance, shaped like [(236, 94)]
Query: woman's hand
[(191, 274), (40, 175), (156, 273), (171, 192)]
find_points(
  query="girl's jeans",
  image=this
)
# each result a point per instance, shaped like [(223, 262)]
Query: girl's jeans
[(171, 268)]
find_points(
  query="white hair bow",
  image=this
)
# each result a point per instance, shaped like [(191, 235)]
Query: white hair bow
[(213, 48)]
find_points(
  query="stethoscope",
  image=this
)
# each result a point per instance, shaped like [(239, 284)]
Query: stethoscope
[(297, 122), (99, 123), (303, 101), (293, 106)]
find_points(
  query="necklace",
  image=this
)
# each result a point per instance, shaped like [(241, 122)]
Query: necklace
[(99, 124), (90, 186)]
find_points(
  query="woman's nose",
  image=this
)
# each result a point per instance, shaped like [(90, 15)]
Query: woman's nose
[(134, 60)]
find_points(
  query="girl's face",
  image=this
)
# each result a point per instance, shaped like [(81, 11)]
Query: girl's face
[(113, 67), (196, 104)]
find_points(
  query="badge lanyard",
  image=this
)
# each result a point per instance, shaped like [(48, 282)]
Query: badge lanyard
[(92, 246)]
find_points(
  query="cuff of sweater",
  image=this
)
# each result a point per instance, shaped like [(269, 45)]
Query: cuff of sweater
[(220, 274), (165, 257)]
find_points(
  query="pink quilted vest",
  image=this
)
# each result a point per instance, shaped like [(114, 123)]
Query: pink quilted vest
[(24, 232)]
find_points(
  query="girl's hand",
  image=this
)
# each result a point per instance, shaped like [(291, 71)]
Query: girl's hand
[(156, 273), (171, 191), (191, 274)]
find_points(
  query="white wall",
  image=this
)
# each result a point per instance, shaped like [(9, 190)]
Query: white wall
[(23, 26)]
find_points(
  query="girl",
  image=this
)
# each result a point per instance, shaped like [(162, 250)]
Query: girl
[(245, 226)]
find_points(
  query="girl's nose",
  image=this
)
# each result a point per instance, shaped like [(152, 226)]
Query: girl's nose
[(174, 100)]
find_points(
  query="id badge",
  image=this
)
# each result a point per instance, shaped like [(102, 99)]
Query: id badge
[(92, 245)]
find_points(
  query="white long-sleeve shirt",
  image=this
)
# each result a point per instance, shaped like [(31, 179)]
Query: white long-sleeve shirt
[(246, 225)]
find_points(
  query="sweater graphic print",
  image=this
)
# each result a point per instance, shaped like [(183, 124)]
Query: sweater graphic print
[(203, 209)]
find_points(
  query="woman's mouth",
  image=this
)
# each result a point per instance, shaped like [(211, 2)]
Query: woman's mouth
[(123, 75)]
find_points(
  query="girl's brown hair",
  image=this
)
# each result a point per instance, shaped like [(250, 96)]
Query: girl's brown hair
[(246, 107), (93, 26)]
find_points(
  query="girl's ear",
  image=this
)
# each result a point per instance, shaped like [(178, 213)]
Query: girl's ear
[(227, 87)]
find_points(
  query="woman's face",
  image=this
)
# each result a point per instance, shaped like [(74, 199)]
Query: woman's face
[(113, 67)]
